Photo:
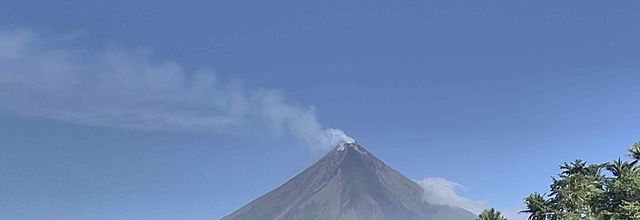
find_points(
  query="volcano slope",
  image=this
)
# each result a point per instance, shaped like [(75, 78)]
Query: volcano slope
[(348, 183)]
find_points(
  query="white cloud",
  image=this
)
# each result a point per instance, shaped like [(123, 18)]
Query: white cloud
[(440, 191), (64, 79)]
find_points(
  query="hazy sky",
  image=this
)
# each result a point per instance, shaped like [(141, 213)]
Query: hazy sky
[(188, 110)]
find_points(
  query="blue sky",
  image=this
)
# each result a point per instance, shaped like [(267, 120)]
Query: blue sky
[(167, 110)]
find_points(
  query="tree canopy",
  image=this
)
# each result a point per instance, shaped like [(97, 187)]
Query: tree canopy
[(491, 214), (607, 191)]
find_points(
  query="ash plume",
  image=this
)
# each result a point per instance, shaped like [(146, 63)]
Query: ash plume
[(55, 77)]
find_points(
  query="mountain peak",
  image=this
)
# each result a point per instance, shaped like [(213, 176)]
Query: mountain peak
[(352, 145), (348, 183)]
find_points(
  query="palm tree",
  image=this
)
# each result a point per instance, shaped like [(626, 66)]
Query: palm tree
[(619, 168), (634, 152), (576, 167), (537, 207), (491, 214)]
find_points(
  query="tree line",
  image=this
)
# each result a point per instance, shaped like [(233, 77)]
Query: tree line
[(600, 191)]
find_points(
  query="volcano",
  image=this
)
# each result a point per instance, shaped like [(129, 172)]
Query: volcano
[(348, 183)]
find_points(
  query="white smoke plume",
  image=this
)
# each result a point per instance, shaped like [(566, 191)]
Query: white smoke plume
[(440, 191), (59, 77)]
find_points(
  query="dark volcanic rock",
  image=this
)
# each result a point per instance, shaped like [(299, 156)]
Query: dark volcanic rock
[(348, 183)]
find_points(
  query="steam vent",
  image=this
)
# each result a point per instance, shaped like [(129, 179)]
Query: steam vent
[(348, 183)]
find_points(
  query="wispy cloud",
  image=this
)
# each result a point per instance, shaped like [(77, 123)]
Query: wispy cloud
[(62, 78), (440, 191)]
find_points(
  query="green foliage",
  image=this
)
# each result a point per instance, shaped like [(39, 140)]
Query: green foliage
[(582, 191), (634, 152), (537, 207), (491, 214), (630, 210)]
